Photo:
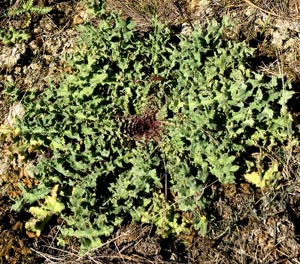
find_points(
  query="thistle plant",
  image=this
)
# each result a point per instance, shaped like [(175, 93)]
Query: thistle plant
[(95, 137)]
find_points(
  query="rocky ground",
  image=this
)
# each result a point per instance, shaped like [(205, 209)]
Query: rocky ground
[(249, 226)]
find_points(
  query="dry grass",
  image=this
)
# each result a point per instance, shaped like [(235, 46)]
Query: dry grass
[(130, 244), (171, 12), (273, 27)]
